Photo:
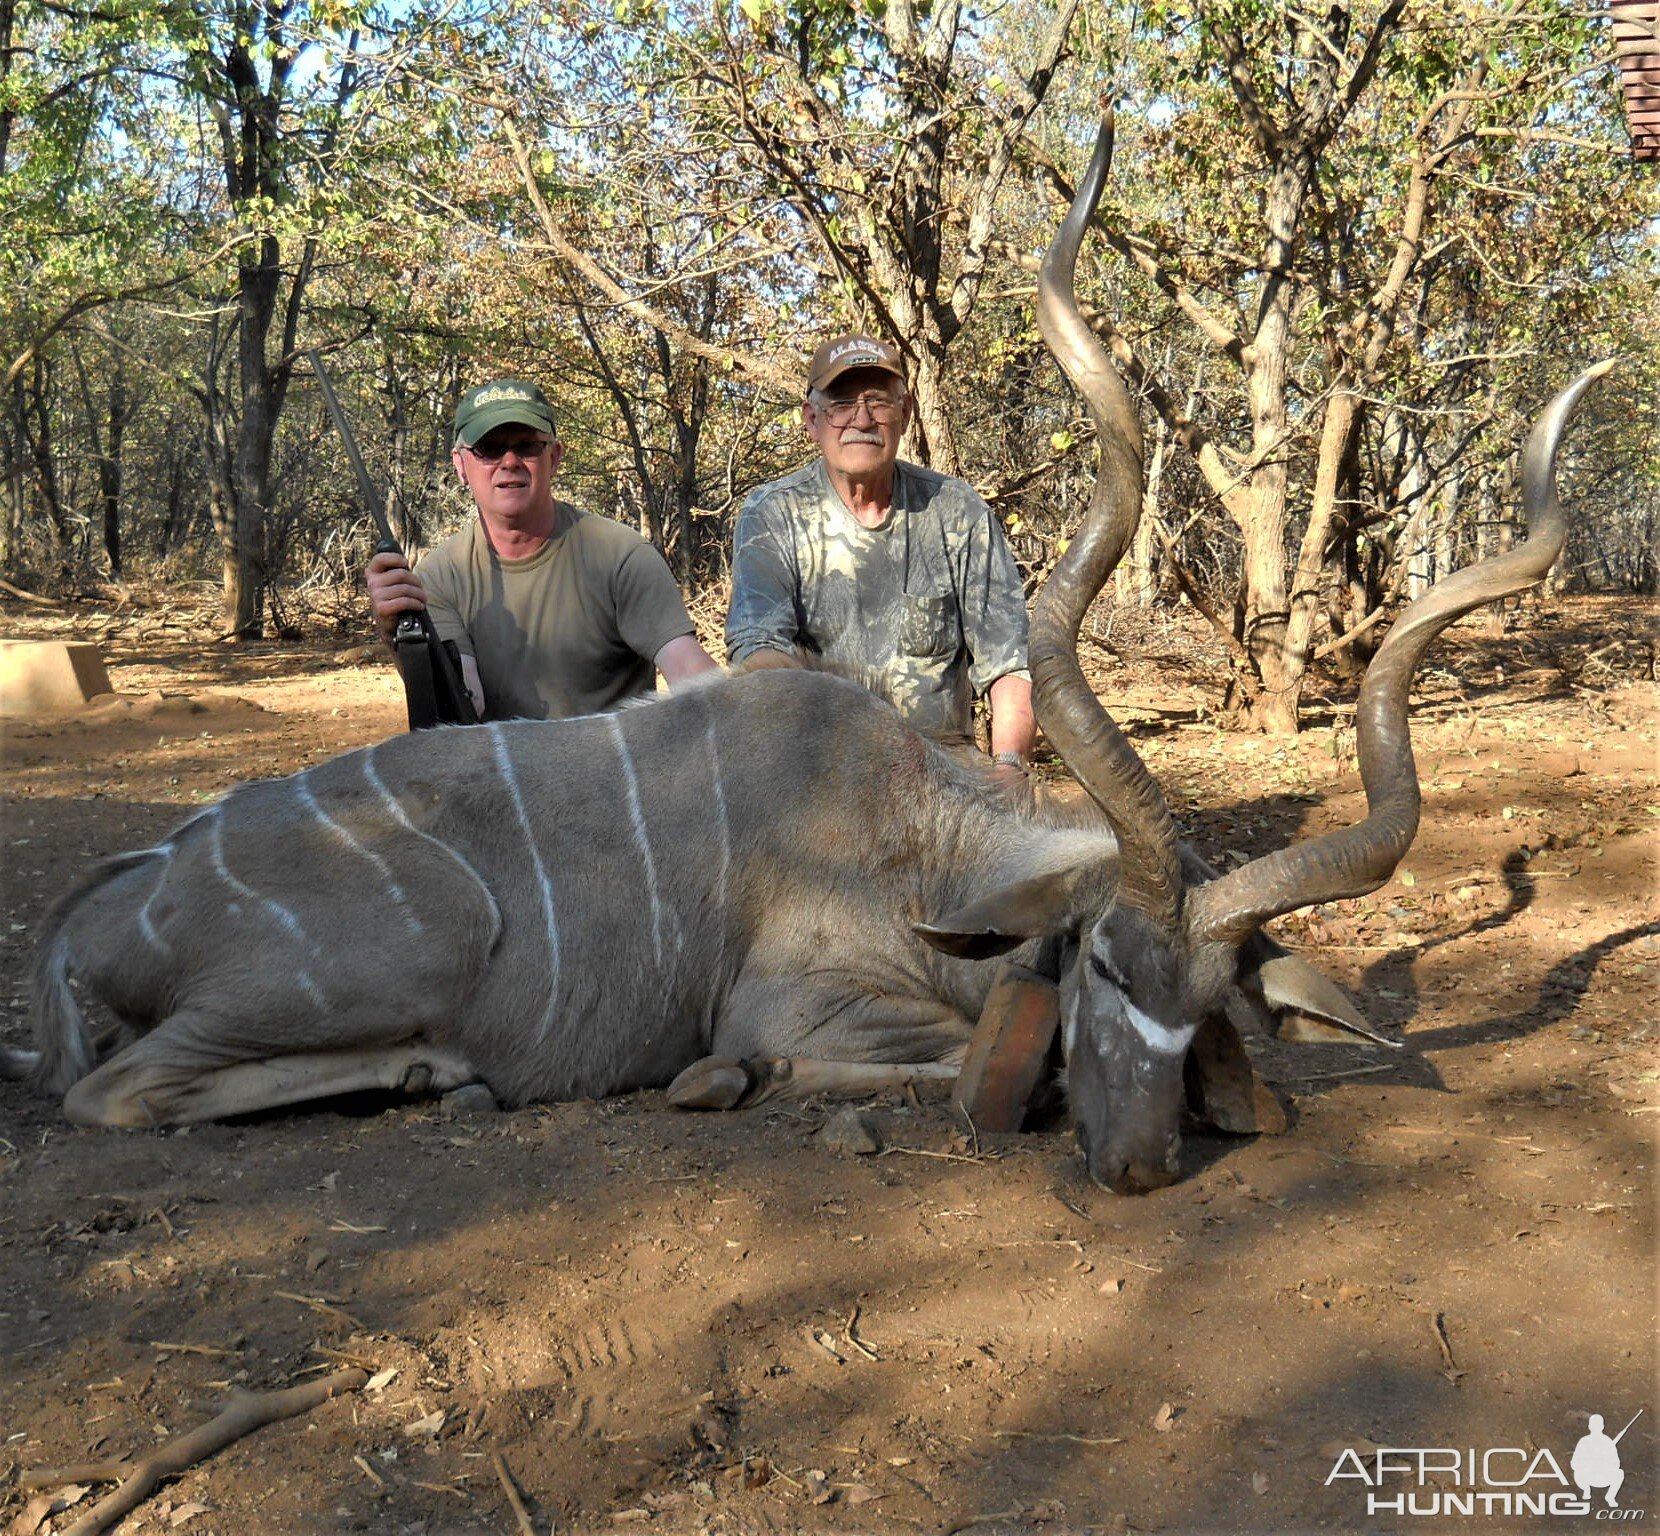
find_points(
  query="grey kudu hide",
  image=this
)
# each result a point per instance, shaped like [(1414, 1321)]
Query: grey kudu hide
[(771, 867)]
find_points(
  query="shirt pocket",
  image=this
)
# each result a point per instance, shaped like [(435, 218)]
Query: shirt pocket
[(928, 624)]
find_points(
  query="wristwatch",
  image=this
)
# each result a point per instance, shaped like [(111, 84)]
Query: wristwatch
[(1011, 760)]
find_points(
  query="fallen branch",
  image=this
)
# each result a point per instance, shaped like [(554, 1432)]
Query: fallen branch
[(318, 1304), (514, 1497), (947, 1157), (80, 1472), (246, 1412), (853, 1339), (27, 597), (1032, 1434), (1438, 1326), (1330, 1077)]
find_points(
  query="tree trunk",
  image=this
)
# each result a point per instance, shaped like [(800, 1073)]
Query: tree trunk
[(11, 522), (8, 112), (1267, 700), (400, 510), (931, 441), (1135, 582), (34, 415), (110, 472), (1446, 538)]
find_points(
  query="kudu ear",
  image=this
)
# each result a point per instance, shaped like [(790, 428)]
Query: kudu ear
[(1028, 909), (1289, 999)]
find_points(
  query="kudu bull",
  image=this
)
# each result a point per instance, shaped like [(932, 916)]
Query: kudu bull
[(774, 866)]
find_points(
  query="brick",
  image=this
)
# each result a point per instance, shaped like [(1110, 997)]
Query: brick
[(1008, 1050), (49, 677)]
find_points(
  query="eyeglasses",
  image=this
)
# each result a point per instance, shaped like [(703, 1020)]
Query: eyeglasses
[(524, 448), (884, 408)]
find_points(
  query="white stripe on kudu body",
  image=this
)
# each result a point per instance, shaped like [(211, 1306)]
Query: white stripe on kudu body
[(289, 923), (146, 924), (720, 812), (343, 835), (637, 817), (545, 885), (401, 816)]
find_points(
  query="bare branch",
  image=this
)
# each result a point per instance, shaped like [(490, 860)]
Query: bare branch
[(1265, 132), (783, 381), (1011, 130)]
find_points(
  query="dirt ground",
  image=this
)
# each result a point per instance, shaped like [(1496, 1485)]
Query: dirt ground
[(717, 1324)]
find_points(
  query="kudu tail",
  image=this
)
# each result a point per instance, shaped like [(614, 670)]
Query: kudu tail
[(65, 1050)]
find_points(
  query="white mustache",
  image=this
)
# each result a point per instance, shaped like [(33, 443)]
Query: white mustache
[(861, 436)]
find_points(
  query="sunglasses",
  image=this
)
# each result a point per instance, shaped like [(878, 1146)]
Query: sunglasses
[(522, 447)]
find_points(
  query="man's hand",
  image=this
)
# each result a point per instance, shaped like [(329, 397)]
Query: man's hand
[(393, 589)]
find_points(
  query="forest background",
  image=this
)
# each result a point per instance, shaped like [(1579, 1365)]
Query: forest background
[(1346, 254)]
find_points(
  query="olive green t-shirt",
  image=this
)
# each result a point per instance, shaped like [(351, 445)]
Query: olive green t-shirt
[(571, 630)]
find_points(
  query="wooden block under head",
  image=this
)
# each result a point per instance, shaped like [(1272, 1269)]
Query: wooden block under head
[(1223, 1088), (1009, 1048), (46, 677)]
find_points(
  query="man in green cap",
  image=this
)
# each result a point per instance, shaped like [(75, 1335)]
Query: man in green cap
[(555, 611)]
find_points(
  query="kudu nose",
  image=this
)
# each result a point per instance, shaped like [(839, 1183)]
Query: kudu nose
[(1136, 1175)]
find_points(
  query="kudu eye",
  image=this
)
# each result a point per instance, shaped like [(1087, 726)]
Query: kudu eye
[(1108, 972)]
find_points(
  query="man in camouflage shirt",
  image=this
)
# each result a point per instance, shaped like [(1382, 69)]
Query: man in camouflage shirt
[(882, 566)]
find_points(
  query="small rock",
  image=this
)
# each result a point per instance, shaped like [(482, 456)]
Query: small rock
[(849, 1131), (469, 1099)]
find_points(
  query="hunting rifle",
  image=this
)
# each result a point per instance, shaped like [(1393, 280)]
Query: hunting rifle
[(430, 667)]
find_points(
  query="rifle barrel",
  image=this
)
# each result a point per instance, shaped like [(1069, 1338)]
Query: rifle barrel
[(365, 486)]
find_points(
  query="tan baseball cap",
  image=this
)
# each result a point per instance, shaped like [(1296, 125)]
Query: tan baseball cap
[(842, 354)]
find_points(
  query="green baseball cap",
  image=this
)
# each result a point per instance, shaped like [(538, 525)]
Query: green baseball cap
[(501, 403)]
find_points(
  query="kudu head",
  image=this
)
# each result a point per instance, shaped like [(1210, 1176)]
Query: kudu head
[(1141, 976)]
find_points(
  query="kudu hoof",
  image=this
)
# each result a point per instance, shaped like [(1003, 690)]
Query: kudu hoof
[(716, 1082)]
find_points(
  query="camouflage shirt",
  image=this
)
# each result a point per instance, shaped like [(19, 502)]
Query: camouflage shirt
[(930, 601)]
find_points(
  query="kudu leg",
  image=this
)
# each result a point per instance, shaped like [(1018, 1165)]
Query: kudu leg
[(161, 1081), (723, 1082)]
